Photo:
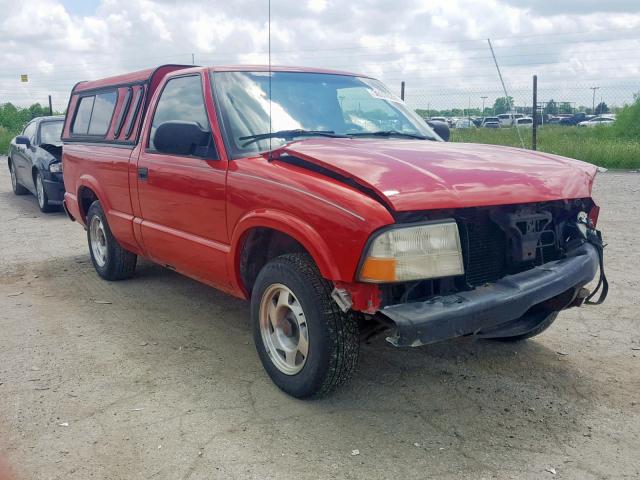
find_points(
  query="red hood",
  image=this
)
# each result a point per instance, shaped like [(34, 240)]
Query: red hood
[(425, 175)]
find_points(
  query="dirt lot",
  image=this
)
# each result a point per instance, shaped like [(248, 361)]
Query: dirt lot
[(163, 381)]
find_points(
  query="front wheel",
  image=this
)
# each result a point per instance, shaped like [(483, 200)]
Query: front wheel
[(41, 195), (111, 261), (307, 345)]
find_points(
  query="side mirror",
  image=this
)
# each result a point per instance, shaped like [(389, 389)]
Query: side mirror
[(181, 138), (23, 140), (441, 128)]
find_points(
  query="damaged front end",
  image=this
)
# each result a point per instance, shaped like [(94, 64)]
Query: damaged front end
[(520, 262)]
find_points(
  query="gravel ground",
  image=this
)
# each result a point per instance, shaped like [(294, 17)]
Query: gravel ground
[(157, 377)]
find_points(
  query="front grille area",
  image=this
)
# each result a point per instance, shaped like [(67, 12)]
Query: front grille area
[(491, 248), (483, 247)]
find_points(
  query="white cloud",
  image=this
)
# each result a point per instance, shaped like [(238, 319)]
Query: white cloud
[(45, 67), (317, 5)]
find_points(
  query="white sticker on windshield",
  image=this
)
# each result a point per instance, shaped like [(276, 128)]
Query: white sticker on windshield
[(377, 90)]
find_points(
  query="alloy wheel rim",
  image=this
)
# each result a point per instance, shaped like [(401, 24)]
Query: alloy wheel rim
[(40, 190), (98, 240), (283, 327)]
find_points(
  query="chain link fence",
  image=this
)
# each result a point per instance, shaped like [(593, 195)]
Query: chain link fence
[(577, 120)]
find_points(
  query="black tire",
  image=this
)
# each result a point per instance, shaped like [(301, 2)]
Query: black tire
[(15, 185), (333, 337), (117, 263), (537, 329), (41, 195)]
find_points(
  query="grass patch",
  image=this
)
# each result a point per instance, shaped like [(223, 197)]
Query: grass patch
[(613, 146), (599, 145)]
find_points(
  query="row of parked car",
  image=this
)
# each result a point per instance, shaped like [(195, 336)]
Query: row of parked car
[(502, 120), (519, 120)]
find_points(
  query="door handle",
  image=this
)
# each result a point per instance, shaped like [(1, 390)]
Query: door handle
[(143, 173)]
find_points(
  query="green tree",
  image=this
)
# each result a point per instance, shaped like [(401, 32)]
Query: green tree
[(502, 104), (627, 122), (602, 108)]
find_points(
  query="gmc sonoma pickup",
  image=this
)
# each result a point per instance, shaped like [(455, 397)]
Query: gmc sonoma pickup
[(332, 206)]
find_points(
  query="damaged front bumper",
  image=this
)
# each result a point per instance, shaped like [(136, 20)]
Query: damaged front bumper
[(471, 312)]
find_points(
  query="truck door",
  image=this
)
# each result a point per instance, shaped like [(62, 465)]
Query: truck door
[(182, 198)]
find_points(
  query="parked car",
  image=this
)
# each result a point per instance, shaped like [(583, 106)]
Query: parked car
[(465, 123), (333, 225), (490, 122), (35, 162), (508, 119), (600, 120), (438, 119), (526, 122), (574, 119)]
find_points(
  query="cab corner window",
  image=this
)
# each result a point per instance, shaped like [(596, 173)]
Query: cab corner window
[(93, 115), (83, 115), (182, 100)]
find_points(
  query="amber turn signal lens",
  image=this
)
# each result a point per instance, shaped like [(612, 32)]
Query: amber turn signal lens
[(379, 270), (415, 252)]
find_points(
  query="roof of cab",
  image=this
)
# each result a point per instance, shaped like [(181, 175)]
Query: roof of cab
[(144, 75), (127, 78), (279, 68)]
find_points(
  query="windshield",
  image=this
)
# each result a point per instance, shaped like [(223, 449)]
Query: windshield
[(339, 104), (50, 132)]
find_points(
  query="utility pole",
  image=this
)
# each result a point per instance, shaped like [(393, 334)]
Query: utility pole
[(50, 106), (193, 59), (402, 90), (593, 104), (484, 97)]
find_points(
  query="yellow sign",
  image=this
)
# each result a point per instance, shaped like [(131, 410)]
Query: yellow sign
[(24, 78)]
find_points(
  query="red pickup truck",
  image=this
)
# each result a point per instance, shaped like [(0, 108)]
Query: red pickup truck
[(324, 200)]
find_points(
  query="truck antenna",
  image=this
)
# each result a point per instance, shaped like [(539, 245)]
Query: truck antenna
[(507, 98), (269, 50)]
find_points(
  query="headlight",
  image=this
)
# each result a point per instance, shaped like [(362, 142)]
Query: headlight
[(56, 167), (401, 254)]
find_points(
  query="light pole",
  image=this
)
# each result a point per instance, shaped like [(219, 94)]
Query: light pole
[(593, 103), (484, 97)]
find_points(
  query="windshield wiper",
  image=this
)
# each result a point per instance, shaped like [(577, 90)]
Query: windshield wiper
[(390, 133), (290, 135)]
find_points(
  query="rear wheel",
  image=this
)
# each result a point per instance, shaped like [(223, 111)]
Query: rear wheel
[(17, 188), (307, 345), (41, 195), (111, 261)]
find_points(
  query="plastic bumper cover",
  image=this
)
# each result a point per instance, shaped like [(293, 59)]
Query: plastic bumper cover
[(54, 189), (470, 312)]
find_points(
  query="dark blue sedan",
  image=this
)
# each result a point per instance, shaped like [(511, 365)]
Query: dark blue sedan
[(35, 162)]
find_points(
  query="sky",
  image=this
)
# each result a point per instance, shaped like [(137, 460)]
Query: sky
[(439, 48)]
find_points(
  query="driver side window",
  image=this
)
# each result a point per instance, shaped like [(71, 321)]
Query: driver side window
[(30, 132), (182, 100)]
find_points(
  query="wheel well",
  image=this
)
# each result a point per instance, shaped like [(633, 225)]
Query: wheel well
[(86, 197), (259, 247)]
